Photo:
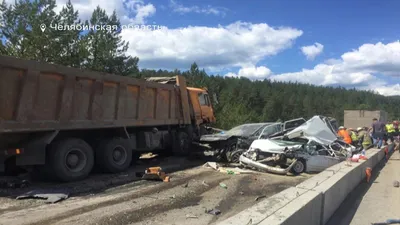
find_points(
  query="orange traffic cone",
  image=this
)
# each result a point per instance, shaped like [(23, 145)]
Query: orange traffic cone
[(368, 172), (387, 153)]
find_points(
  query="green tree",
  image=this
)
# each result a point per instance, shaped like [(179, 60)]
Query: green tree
[(106, 47), (70, 46), (20, 26)]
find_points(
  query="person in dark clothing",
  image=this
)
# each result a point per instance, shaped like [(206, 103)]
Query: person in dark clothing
[(378, 132)]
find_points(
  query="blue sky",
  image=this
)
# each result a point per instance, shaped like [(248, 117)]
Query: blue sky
[(341, 25), (352, 43)]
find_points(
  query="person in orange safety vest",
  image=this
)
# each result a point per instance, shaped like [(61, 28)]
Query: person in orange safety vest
[(344, 134)]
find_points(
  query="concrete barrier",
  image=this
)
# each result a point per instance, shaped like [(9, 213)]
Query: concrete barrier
[(313, 201)]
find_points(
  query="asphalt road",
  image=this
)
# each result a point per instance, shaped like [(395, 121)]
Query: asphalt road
[(125, 199)]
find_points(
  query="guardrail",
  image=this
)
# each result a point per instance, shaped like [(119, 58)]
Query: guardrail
[(313, 201)]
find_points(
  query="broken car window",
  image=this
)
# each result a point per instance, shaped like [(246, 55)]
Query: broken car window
[(272, 129), (294, 123), (245, 129)]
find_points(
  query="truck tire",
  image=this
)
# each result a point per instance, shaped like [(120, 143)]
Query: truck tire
[(114, 155), (181, 143), (70, 159)]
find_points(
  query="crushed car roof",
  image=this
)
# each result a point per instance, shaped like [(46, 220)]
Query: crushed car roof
[(314, 129)]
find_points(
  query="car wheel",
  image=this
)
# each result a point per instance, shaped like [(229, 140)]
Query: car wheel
[(235, 155), (299, 167)]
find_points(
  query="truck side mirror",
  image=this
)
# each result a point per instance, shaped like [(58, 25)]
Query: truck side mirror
[(215, 98)]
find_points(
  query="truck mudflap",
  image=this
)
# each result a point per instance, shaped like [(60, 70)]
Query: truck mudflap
[(270, 169)]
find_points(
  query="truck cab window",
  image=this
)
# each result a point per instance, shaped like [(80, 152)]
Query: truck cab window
[(207, 100), (203, 99)]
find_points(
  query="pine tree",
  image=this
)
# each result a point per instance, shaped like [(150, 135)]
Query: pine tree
[(106, 47)]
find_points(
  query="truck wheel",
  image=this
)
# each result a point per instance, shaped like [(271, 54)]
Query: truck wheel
[(114, 155), (181, 144), (299, 167), (71, 159)]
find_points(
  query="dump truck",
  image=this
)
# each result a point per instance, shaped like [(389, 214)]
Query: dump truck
[(63, 121), (363, 118)]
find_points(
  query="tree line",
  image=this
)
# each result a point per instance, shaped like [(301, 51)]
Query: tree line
[(238, 100)]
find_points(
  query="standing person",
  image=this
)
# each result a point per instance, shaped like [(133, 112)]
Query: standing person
[(344, 134), (353, 136), (396, 133), (364, 137), (378, 132), (390, 131), (396, 128)]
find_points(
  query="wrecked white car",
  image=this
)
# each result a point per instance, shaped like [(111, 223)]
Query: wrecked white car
[(311, 147)]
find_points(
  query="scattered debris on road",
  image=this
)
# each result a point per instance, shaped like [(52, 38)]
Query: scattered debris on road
[(389, 221), (215, 212), (49, 196), (228, 170), (223, 185), (191, 216), (155, 173), (260, 197), (396, 183)]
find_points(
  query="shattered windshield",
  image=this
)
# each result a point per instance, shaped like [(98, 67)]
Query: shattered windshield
[(245, 129)]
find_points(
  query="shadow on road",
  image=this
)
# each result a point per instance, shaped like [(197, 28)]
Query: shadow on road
[(99, 182)]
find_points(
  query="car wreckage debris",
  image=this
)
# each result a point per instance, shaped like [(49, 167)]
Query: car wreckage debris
[(215, 212), (310, 147), (248, 162), (155, 173), (49, 196)]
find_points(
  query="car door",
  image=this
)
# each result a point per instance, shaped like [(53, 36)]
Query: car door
[(292, 124), (320, 161)]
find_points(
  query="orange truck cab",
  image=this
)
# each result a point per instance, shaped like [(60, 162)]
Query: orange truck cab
[(203, 112)]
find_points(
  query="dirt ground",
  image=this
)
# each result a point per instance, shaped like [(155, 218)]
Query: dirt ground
[(125, 199)]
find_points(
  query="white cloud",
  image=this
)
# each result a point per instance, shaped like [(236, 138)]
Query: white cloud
[(238, 44), (323, 74), (332, 61), (387, 90), (374, 58), (312, 51), (176, 7), (124, 9), (254, 73), (357, 68)]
